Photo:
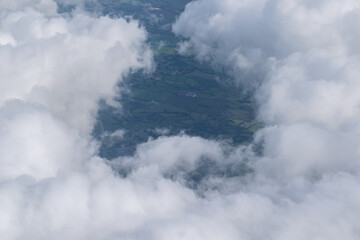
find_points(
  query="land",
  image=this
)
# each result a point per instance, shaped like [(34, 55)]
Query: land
[(181, 95)]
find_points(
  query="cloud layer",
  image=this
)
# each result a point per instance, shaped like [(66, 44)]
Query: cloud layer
[(298, 180), (301, 59)]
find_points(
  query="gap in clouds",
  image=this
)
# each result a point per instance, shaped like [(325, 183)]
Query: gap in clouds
[(125, 120), (304, 180), (180, 95), (53, 183)]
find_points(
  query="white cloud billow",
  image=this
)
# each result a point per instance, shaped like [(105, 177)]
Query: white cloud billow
[(305, 184), (302, 59), (68, 64)]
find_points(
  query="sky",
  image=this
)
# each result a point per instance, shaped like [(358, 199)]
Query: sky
[(301, 177)]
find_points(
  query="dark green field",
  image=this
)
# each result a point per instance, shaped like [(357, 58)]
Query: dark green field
[(181, 95)]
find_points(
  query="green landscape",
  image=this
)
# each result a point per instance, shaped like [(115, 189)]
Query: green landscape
[(182, 95)]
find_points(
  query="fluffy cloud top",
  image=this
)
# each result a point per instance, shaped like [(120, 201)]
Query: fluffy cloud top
[(67, 65), (302, 59), (298, 180), (303, 52)]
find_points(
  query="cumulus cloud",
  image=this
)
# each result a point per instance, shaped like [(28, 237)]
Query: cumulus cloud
[(298, 180), (55, 70), (46, 6), (301, 60), (244, 34), (68, 64), (307, 60)]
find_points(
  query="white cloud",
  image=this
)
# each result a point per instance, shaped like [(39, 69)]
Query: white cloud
[(46, 6), (304, 185), (302, 59), (306, 63), (68, 64)]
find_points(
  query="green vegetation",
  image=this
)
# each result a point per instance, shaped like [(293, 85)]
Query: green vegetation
[(181, 95)]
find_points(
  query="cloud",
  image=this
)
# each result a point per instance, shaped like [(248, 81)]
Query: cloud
[(308, 74), (35, 143), (46, 6), (244, 34), (299, 179), (300, 59), (68, 65)]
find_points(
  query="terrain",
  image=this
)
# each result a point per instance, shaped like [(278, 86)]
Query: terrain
[(182, 95)]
